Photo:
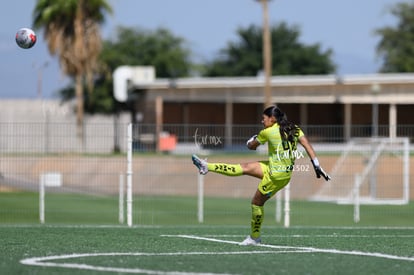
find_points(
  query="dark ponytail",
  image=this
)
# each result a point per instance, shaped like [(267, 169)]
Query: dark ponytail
[(288, 130)]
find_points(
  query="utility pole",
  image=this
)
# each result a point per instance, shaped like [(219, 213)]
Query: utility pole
[(40, 78), (267, 54)]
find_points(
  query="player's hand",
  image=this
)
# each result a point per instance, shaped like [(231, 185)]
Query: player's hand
[(319, 171), (250, 140)]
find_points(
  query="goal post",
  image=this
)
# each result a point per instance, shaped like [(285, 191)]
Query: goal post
[(129, 175), (369, 171), (48, 179)]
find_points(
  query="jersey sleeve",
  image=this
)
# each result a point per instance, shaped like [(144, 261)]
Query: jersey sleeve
[(300, 133), (262, 137)]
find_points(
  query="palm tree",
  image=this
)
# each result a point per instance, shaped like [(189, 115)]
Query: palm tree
[(71, 29)]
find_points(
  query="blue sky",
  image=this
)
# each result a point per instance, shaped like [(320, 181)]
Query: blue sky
[(345, 26)]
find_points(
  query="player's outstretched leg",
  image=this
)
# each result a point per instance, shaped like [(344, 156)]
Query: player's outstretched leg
[(201, 164), (221, 168)]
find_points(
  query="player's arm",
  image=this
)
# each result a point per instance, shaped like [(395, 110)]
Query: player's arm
[(252, 143), (315, 162), (308, 147)]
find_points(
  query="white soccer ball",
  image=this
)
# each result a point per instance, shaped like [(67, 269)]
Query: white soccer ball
[(25, 38)]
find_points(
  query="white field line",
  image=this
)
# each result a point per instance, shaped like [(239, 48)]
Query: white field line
[(48, 261), (316, 236), (308, 249), (204, 226)]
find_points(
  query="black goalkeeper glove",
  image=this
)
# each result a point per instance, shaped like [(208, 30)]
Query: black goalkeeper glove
[(319, 171)]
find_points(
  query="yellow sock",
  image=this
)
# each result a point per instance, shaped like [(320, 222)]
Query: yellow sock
[(257, 219), (226, 169)]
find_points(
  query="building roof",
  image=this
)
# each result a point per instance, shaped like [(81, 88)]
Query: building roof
[(355, 89)]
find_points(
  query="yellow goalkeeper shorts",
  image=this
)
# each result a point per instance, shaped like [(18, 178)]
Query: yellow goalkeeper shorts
[(270, 184)]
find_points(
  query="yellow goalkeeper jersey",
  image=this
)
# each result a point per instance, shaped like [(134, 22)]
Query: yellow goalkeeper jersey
[(282, 154)]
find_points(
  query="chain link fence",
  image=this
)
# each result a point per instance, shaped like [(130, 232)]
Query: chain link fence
[(92, 171)]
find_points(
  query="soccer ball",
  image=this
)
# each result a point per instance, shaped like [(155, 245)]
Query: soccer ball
[(25, 38)]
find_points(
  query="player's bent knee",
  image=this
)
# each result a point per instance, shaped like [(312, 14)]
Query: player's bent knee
[(252, 169)]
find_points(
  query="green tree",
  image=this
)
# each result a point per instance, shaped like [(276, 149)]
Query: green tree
[(168, 53), (396, 46), (289, 56), (71, 29)]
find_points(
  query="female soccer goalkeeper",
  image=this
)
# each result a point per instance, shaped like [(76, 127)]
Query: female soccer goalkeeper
[(282, 137)]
